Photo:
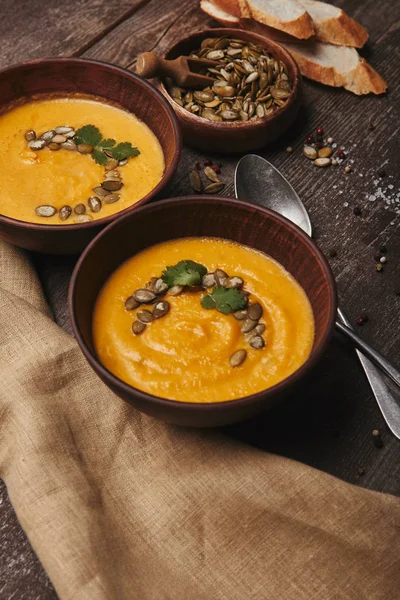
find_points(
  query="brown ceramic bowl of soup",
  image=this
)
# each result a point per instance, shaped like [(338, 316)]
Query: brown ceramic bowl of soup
[(178, 367), (69, 127), (238, 135)]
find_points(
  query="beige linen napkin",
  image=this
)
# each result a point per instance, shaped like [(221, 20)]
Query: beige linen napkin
[(119, 506)]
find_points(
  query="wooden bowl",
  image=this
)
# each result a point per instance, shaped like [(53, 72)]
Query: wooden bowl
[(237, 136), (56, 76), (190, 216)]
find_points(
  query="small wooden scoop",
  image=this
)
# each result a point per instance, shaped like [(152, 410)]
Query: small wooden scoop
[(183, 70)]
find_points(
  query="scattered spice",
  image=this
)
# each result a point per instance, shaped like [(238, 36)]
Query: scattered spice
[(360, 471), (371, 126), (381, 172), (383, 249), (357, 211), (332, 253), (379, 267), (383, 259), (210, 173), (347, 169), (289, 149)]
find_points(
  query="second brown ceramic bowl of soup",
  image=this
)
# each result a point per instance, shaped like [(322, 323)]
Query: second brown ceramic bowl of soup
[(83, 142), (202, 311)]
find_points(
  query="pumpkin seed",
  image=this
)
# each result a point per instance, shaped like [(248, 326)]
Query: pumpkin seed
[(80, 209), (36, 144), (211, 174), (53, 146), (144, 316), (123, 162), (161, 309), (131, 303), (322, 162), (59, 139), (47, 136), (220, 276), (138, 327), (195, 181), (63, 129), (112, 186), (208, 280), (257, 342), (99, 191), (30, 135), (247, 325), (234, 283), (310, 152), (85, 148), (240, 315), (238, 358), (229, 115), (325, 152), (94, 204), (112, 163), (215, 55), (68, 145), (45, 210), (111, 198), (144, 296), (255, 311), (209, 114), (203, 96), (175, 290), (159, 286), (83, 219), (259, 329), (213, 103), (65, 212), (214, 188)]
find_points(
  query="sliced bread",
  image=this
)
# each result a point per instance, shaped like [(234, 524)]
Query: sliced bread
[(285, 15), (338, 66), (333, 25)]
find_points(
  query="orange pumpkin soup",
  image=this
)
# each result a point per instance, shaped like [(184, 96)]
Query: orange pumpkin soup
[(189, 354), (53, 177)]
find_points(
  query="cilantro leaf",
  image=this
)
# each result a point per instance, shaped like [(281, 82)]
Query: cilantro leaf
[(224, 300), (185, 272), (88, 134), (208, 302), (99, 157), (124, 150), (107, 143)]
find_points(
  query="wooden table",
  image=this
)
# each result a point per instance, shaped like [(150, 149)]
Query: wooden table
[(330, 426)]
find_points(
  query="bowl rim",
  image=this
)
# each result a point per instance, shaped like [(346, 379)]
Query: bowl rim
[(126, 389), (28, 225), (236, 125)]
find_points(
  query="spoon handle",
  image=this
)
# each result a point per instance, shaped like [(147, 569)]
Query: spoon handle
[(387, 395), (366, 349)]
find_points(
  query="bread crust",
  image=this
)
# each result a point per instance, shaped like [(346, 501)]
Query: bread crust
[(341, 30), (212, 11), (363, 79)]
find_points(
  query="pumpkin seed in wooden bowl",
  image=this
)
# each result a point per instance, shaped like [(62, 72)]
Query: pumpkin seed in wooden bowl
[(255, 97)]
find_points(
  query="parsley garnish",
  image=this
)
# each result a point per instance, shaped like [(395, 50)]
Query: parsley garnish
[(224, 300), (185, 272), (90, 134)]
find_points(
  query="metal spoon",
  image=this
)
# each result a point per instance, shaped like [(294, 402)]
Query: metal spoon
[(259, 182)]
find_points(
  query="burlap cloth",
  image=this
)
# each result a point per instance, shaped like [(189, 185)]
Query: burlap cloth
[(119, 506)]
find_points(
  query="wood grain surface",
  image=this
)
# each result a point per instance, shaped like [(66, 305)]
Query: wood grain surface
[(329, 427)]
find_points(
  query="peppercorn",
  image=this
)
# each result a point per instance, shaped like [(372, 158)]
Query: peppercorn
[(383, 249), (378, 442), (360, 321), (332, 253), (310, 139), (383, 259), (371, 126), (207, 163), (216, 169), (320, 131), (379, 267), (347, 169), (360, 471), (377, 256), (330, 140), (341, 154), (198, 166), (319, 144), (376, 432), (364, 317), (357, 211), (289, 149), (381, 172)]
